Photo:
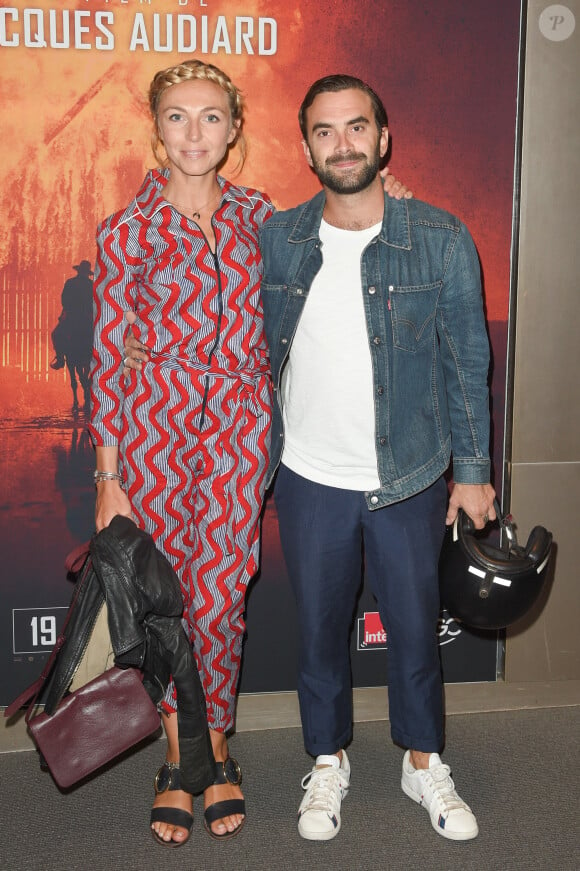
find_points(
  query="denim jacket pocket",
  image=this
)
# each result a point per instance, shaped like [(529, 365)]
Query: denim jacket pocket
[(413, 311)]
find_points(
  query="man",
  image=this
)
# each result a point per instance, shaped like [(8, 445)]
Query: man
[(379, 357)]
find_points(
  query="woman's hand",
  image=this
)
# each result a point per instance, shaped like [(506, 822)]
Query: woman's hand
[(393, 187), (111, 500)]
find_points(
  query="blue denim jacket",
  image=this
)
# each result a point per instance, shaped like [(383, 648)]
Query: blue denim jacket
[(429, 348)]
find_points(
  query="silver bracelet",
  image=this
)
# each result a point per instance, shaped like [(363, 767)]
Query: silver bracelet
[(107, 476)]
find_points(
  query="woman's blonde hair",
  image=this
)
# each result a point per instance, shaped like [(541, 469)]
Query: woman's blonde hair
[(189, 71)]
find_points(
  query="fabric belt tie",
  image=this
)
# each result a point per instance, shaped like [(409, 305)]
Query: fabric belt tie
[(251, 384)]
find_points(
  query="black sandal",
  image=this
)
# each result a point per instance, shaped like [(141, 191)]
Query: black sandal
[(168, 778), (225, 772)]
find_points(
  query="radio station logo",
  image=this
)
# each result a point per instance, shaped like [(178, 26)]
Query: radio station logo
[(371, 634)]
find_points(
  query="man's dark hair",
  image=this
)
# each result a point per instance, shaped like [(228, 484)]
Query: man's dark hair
[(341, 83)]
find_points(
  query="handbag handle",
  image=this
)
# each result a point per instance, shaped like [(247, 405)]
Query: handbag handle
[(75, 561)]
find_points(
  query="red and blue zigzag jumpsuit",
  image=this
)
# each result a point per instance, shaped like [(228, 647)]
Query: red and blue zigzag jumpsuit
[(193, 427)]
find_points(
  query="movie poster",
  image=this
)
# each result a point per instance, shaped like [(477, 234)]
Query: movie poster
[(76, 146)]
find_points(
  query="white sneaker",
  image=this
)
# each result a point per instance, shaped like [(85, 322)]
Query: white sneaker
[(434, 789), (319, 811)]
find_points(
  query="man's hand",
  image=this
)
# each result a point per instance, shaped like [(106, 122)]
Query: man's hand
[(476, 500), (393, 187), (135, 353)]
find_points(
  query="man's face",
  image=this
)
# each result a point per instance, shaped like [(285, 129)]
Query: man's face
[(343, 144)]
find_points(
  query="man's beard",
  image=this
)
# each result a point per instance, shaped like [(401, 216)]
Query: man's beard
[(352, 181)]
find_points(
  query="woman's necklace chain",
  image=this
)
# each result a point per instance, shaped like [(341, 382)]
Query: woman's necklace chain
[(196, 215)]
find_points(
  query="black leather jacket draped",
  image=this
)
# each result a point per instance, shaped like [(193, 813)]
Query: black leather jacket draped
[(144, 606)]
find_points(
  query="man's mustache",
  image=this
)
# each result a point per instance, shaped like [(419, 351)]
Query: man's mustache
[(340, 158)]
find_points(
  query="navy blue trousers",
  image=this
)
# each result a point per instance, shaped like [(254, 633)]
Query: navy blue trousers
[(324, 533)]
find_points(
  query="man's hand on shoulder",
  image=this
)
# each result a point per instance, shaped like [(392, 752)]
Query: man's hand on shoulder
[(394, 187), (476, 500)]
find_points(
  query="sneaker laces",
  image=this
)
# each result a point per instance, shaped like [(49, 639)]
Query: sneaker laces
[(444, 788), (323, 788)]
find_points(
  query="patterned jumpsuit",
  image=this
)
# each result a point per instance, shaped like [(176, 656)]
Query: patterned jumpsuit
[(193, 427)]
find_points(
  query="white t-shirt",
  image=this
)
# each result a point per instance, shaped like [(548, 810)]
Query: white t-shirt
[(329, 418)]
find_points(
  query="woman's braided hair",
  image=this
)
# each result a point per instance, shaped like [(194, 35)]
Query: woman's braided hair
[(188, 71)]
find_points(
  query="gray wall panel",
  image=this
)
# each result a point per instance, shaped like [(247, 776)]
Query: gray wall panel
[(544, 645), (545, 461)]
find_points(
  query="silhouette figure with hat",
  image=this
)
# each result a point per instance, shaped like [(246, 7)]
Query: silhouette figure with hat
[(72, 338)]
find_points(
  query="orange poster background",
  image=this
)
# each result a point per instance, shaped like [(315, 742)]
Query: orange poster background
[(75, 148), (76, 131)]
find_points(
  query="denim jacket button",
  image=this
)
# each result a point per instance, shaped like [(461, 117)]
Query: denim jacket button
[(374, 500), (377, 340), (372, 289), (284, 341)]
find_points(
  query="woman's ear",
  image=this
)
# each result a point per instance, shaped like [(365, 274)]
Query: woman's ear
[(233, 134)]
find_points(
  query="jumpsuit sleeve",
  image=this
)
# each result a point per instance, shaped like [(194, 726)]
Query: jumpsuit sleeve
[(115, 292), (264, 209)]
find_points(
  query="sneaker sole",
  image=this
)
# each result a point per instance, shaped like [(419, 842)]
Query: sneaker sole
[(451, 836)]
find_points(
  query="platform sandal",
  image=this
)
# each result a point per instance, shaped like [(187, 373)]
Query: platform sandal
[(225, 772), (168, 778)]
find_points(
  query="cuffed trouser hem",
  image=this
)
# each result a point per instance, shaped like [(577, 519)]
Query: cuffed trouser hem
[(321, 748), (414, 742)]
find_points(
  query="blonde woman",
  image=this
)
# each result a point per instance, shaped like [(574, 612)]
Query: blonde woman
[(183, 446)]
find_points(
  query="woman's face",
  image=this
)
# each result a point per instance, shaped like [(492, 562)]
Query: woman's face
[(195, 125)]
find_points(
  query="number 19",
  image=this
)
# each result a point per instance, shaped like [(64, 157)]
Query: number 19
[(43, 631)]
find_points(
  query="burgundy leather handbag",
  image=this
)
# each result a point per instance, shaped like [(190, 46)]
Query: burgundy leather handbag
[(92, 725)]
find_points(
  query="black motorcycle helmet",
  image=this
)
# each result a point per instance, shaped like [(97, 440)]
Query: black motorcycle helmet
[(490, 587)]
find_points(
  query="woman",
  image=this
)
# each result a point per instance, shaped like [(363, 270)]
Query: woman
[(182, 447)]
